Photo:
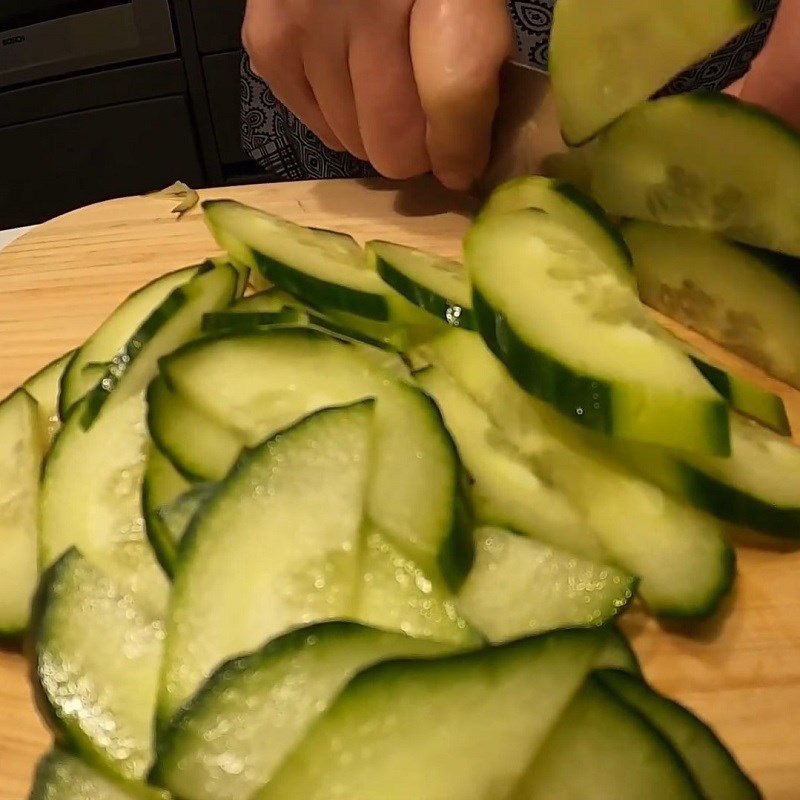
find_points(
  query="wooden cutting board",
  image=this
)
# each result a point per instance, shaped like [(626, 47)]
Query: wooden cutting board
[(739, 671)]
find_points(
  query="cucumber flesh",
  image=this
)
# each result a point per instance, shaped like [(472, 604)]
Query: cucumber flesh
[(198, 446), (681, 556), (569, 206), (323, 268), (226, 379), (215, 749), (177, 515), (174, 322), (112, 335), (162, 483), (224, 321), (91, 499), (519, 587), (617, 654), (738, 175), (758, 487), (311, 483), (20, 462), (97, 664), (504, 490), (437, 285), (601, 749), (44, 387), (747, 300), (457, 728), (713, 767), (402, 592), (61, 776), (606, 59), (573, 333)]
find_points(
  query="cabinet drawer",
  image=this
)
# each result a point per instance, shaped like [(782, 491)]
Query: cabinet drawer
[(50, 166), (224, 97), (218, 24)]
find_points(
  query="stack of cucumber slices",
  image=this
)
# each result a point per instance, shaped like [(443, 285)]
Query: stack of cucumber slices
[(364, 535)]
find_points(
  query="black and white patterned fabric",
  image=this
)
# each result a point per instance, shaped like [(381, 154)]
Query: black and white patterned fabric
[(287, 150)]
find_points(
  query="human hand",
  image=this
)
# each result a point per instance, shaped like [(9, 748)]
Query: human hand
[(409, 85), (773, 81)]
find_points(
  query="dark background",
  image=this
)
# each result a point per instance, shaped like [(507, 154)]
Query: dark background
[(127, 129)]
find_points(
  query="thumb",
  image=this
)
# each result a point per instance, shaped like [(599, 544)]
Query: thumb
[(458, 48)]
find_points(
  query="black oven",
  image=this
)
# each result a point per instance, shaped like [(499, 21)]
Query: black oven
[(45, 38)]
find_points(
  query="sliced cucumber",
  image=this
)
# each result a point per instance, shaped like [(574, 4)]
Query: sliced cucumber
[(91, 499), (230, 739), (572, 332), (403, 592), (504, 490), (681, 556), (243, 322), (323, 268), (747, 300), (44, 387), (713, 767), (310, 483), (617, 654), (177, 515), (161, 485), (746, 397), (738, 174), (437, 285), (601, 749), (260, 383), (61, 776), (457, 728), (173, 323), (758, 487), (112, 335), (20, 461), (606, 59), (570, 207), (97, 663), (199, 447), (519, 587)]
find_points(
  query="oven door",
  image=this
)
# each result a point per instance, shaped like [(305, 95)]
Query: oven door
[(51, 38)]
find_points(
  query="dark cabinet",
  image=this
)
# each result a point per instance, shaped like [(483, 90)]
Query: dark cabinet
[(218, 24), (79, 158), (223, 86)]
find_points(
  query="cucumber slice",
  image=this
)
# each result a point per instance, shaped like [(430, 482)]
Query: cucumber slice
[(681, 556), (323, 268), (504, 490), (91, 499), (173, 323), (519, 587), (758, 487), (712, 765), (241, 322), (617, 654), (161, 485), (457, 728), (61, 776), (310, 483), (177, 515), (573, 333), (215, 749), (605, 59), (44, 387), (601, 749), (20, 462), (745, 397), (402, 592), (738, 174), (97, 662), (227, 378), (437, 285), (112, 335), (199, 447), (569, 206), (747, 300)]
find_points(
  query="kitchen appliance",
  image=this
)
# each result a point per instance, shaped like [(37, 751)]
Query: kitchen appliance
[(45, 38)]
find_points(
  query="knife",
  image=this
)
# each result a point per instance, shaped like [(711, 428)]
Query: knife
[(526, 132)]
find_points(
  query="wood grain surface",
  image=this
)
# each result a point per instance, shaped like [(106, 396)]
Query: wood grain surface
[(739, 671)]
